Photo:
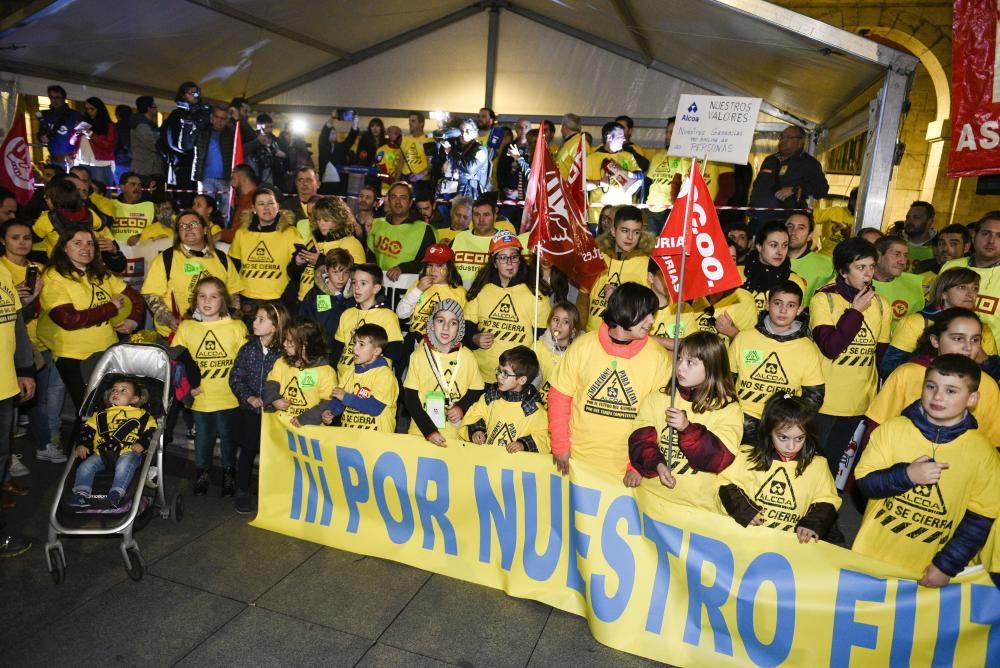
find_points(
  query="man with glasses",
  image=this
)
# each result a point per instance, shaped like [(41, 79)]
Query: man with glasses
[(786, 180), (397, 241)]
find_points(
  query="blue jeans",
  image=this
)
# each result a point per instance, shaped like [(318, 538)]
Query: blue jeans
[(207, 425), (219, 189), (45, 416), (125, 468)]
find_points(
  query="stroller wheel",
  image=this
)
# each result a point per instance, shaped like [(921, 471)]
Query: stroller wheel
[(136, 567), (58, 571), (177, 508)]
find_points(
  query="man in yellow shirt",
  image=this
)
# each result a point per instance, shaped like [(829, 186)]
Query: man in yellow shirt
[(571, 138), (985, 261), (416, 147), (613, 175)]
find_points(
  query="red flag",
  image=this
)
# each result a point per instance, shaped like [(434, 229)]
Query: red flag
[(709, 266), (16, 174), (576, 184), (237, 160), (557, 222)]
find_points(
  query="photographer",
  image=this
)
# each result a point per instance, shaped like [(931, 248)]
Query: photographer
[(336, 142), (464, 165), (178, 139), (266, 155)]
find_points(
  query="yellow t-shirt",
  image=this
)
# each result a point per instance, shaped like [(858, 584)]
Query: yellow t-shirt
[(378, 382), (509, 315), (666, 321), (428, 300), (17, 275), (213, 346), (302, 388), (760, 297), (264, 258), (833, 225), (630, 270), (446, 235), (910, 328), (185, 272), (905, 385), (739, 304), (82, 294), (783, 498), (389, 160), (10, 304), (567, 153), (910, 528), (44, 230), (764, 366), (662, 169), (851, 378), (131, 219), (694, 488), (353, 318), (459, 371), (606, 395), (414, 159), (548, 361), (116, 415), (506, 423), (348, 243), (156, 230), (611, 193)]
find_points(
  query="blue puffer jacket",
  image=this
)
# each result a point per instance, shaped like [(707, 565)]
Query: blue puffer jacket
[(253, 363)]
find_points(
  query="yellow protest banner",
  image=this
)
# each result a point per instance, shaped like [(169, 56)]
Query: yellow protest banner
[(652, 578)]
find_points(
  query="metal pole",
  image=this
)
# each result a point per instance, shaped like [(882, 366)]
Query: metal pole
[(677, 314), (538, 282), (954, 200), (491, 55)]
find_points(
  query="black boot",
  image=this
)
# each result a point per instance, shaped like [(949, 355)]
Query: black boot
[(201, 483), (244, 502), (228, 482)]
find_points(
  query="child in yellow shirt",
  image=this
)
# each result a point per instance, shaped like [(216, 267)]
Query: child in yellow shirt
[(366, 397)]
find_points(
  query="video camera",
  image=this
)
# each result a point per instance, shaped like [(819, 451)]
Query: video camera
[(447, 134)]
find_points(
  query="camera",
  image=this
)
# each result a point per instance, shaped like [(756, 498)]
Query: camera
[(447, 134)]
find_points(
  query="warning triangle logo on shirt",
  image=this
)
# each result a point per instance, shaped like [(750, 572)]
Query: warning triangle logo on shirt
[(260, 254), (503, 434), (925, 497), (504, 310), (615, 279), (99, 297), (777, 491), (864, 337), (210, 348), (293, 393), (612, 390), (770, 371), (428, 307)]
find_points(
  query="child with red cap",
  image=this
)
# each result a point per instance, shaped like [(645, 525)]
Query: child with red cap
[(439, 280)]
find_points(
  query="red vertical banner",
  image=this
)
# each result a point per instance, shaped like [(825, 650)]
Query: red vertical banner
[(709, 268), (975, 90), (16, 173)]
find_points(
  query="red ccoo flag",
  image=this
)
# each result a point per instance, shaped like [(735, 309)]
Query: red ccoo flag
[(557, 221), (709, 268), (16, 173), (237, 160)]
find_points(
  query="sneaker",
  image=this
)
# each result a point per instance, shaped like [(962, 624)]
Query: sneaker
[(20, 431), (190, 436), (51, 453), (244, 503), (228, 482), (201, 483), (79, 500), (12, 546), (17, 467), (114, 498)]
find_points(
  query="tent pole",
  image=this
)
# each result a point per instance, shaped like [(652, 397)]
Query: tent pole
[(491, 55)]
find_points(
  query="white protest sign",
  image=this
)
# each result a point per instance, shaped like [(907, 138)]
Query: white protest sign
[(712, 127)]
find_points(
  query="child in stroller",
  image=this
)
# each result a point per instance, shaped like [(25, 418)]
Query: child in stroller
[(113, 438)]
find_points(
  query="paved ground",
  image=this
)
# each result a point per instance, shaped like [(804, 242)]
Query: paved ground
[(219, 592)]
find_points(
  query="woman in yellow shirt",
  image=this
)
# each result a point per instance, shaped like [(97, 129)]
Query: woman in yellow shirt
[(331, 225), (84, 309)]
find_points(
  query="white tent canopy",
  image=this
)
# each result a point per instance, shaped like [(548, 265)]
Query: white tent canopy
[(534, 58)]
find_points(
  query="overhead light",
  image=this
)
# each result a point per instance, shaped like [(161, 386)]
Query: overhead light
[(298, 125)]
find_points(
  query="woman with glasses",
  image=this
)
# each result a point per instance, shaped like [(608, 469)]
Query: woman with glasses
[(174, 273), (502, 305)]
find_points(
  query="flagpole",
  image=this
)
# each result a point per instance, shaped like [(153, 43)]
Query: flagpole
[(538, 282), (677, 314)]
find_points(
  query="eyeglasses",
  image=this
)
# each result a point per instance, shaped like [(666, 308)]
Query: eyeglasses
[(503, 374), (508, 259), (189, 226)]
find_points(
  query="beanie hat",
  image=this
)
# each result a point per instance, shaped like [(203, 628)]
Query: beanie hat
[(454, 307), (503, 239), (438, 254)]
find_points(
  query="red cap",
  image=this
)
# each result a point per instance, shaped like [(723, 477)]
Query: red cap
[(438, 254)]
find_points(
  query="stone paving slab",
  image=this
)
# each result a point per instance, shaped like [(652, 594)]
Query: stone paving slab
[(386, 656), (566, 641)]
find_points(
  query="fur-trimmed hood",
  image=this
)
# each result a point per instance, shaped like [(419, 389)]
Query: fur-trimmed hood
[(248, 220)]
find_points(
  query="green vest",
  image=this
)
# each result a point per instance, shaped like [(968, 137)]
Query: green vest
[(395, 244), (905, 295), (816, 270)]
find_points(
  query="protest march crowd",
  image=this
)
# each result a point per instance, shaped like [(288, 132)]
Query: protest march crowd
[(848, 367)]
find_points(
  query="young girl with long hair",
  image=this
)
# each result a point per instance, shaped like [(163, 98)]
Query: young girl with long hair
[(702, 432), (253, 364), (780, 482), (564, 325), (302, 377), (213, 339)]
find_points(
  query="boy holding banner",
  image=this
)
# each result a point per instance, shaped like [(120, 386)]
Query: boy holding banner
[(931, 477)]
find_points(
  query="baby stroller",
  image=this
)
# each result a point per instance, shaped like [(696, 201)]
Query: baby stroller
[(149, 365)]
